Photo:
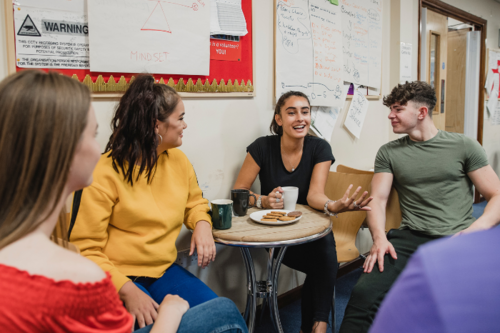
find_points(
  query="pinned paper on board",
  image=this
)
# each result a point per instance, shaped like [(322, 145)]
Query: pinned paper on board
[(48, 38), (323, 119), (150, 36), (405, 62), (362, 42), (309, 49), (493, 97), (226, 18), (357, 113), (495, 116)]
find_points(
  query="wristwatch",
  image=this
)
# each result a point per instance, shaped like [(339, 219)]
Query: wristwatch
[(327, 211), (258, 203)]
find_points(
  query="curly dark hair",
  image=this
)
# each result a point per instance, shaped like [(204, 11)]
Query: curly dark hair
[(134, 140), (275, 128), (419, 92)]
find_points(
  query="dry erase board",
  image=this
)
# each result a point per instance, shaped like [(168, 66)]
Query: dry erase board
[(231, 62), (320, 45)]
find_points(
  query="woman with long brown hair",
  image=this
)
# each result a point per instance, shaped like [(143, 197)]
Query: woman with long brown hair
[(144, 189), (47, 130), (291, 157)]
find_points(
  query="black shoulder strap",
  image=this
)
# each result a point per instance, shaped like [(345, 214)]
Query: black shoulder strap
[(77, 198)]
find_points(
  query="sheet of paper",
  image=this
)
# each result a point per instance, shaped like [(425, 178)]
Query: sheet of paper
[(495, 116), (357, 113), (488, 85), (226, 18), (294, 48), (327, 45), (375, 43), (362, 41), (324, 121), (150, 36), (493, 97), (405, 63), (343, 98), (48, 38), (493, 58)]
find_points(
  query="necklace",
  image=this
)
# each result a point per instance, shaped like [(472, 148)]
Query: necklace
[(283, 154)]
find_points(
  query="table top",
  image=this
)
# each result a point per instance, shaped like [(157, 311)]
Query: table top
[(245, 232)]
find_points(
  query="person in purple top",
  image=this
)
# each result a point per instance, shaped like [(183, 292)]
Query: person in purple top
[(449, 285)]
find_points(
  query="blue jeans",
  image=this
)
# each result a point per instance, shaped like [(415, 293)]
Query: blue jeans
[(176, 281), (219, 315)]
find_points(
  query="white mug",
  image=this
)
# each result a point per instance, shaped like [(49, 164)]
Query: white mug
[(290, 196)]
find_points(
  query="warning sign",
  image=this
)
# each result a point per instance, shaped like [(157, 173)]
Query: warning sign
[(28, 28), (61, 38)]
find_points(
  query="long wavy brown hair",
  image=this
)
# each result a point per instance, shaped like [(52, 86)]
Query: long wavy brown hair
[(42, 118), (134, 141)]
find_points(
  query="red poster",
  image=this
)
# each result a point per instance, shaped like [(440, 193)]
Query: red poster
[(225, 50)]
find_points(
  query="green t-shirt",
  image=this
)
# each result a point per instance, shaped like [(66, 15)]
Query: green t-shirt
[(435, 193)]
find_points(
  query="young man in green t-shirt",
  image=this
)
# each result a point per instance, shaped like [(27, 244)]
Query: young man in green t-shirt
[(433, 172)]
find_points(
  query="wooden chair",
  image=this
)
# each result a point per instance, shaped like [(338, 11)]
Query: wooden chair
[(345, 227), (393, 210)]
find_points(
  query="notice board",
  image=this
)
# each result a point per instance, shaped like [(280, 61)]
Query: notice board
[(230, 76)]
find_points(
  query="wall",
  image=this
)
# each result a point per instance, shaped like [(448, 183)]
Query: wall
[(490, 11), (220, 129)]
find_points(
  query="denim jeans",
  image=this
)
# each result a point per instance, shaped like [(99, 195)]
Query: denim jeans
[(219, 315), (175, 281)]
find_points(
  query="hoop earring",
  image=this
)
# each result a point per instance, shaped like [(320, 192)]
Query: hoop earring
[(161, 139)]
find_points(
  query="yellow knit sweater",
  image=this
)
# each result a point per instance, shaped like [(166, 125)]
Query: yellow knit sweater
[(131, 230)]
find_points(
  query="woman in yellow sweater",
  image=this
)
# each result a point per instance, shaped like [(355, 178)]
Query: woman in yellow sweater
[(144, 189)]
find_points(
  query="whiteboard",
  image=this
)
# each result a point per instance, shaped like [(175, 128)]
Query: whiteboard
[(163, 37), (319, 45)]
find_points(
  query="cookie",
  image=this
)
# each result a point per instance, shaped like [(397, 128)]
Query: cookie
[(276, 215), (269, 220), (286, 218), (270, 217), (280, 213), (295, 213)]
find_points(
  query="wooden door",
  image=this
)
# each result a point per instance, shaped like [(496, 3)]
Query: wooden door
[(455, 85), (437, 35)]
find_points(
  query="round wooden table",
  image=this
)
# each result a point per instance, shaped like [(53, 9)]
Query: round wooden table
[(245, 233)]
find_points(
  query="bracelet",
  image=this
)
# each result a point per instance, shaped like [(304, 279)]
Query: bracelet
[(327, 211), (258, 204)]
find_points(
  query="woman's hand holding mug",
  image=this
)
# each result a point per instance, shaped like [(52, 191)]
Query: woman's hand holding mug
[(274, 200)]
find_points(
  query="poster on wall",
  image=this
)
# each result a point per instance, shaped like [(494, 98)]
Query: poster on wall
[(362, 41), (309, 50), (51, 38), (163, 37)]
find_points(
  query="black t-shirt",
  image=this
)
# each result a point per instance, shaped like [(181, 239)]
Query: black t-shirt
[(266, 151)]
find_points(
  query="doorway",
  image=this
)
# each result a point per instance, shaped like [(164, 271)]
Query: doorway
[(453, 39)]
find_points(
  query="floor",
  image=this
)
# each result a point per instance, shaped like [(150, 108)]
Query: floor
[(290, 314)]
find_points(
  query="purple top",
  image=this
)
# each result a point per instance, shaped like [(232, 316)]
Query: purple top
[(449, 285)]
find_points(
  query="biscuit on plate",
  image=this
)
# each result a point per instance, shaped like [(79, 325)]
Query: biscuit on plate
[(268, 220), (270, 217), (287, 218), (295, 213), (276, 212)]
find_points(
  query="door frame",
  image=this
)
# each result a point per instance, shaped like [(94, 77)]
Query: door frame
[(479, 25)]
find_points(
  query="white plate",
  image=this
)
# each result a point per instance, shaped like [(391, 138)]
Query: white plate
[(257, 217)]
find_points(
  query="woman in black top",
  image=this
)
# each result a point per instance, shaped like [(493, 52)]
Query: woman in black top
[(292, 158)]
